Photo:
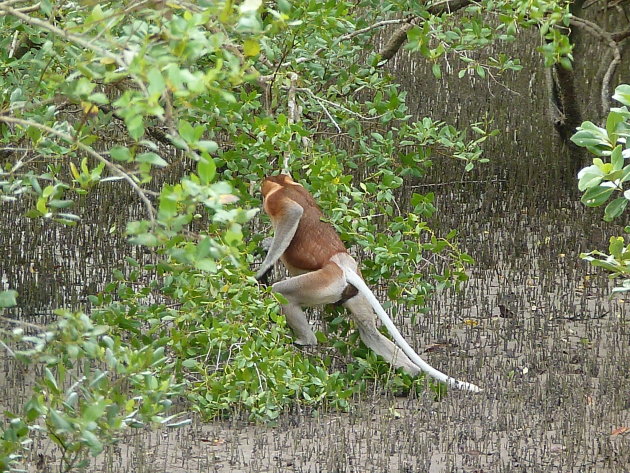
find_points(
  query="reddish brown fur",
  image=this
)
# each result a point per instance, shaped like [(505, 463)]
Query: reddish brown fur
[(315, 242)]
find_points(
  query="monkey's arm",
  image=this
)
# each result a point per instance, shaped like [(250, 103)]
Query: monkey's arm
[(285, 226)]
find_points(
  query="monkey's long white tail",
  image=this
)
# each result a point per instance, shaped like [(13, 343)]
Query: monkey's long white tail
[(356, 280)]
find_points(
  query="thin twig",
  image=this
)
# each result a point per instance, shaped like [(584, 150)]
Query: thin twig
[(30, 8), (62, 33), (111, 166), (293, 115), (441, 184), (69, 37), (8, 3), (341, 38), (23, 322), (330, 117), (8, 349), (333, 104)]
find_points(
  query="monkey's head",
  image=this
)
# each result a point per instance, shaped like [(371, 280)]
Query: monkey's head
[(270, 183)]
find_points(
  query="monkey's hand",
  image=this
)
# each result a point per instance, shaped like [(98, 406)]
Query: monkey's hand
[(263, 277)]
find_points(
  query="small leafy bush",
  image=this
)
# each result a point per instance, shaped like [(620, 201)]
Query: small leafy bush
[(606, 181)]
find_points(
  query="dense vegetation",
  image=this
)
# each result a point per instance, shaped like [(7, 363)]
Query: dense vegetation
[(116, 96), (607, 178)]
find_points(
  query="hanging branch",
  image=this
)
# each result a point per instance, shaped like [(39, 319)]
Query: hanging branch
[(612, 41)]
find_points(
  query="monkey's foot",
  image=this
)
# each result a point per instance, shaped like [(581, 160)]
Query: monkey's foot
[(304, 341)]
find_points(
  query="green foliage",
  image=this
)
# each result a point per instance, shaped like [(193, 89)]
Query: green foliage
[(8, 299), (607, 178), (446, 35), (93, 385), (94, 96)]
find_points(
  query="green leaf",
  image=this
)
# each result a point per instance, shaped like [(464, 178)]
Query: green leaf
[(616, 247), (249, 6), (186, 131), (207, 146), (613, 268), (99, 98), (566, 63), (189, 363), (152, 159), (590, 176), (92, 441), (180, 423), (596, 196), (60, 204), (437, 71), (120, 153), (616, 158), (135, 125), (93, 411), (284, 6), (615, 208), (146, 239), (251, 47), (51, 380), (41, 205), (622, 94), (48, 191), (206, 168), (156, 82), (589, 135), (8, 298), (612, 121), (206, 264), (59, 422)]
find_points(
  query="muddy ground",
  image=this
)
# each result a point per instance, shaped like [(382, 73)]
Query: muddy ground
[(534, 327)]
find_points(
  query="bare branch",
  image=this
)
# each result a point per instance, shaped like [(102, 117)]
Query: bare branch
[(395, 42), (595, 30), (333, 104), (111, 166), (8, 3), (29, 9), (619, 36), (24, 323), (293, 114)]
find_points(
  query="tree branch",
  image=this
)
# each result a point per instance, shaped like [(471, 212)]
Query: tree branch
[(62, 33), (595, 30), (395, 42), (72, 38), (111, 166), (619, 36)]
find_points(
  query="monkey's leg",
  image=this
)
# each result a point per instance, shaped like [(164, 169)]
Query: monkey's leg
[(324, 286), (365, 319)]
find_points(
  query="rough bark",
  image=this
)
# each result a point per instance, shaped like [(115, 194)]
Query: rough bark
[(399, 36)]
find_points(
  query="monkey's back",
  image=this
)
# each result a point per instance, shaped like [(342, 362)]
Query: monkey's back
[(315, 241)]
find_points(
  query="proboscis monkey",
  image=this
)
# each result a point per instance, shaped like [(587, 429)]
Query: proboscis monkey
[(324, 273)]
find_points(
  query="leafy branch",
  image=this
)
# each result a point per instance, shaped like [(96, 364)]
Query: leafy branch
[(88, 150)]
